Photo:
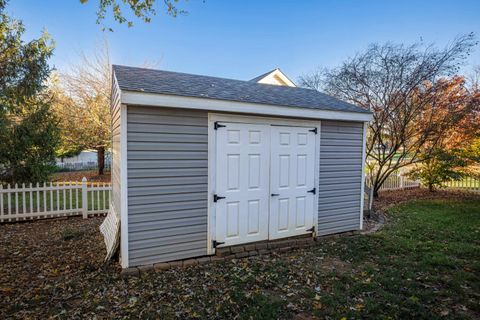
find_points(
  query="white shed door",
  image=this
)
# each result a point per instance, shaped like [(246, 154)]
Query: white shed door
[(242, 177), (292, 181)]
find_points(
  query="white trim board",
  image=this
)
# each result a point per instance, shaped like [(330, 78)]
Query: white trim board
[(174, 101), (210, 185), (362, 188), (123, 188), (214, 117)]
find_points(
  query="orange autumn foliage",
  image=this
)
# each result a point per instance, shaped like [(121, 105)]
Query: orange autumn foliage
[(452, 116)]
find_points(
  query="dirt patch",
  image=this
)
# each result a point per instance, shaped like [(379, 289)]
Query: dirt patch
[(372, 223), (334, 264)]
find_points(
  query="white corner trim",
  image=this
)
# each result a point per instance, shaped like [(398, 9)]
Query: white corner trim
[(318, 146), (123, 188), (362, 188), (173, 101), (211, 186)]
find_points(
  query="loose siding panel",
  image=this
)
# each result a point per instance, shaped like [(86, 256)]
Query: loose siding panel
[(115, 113), (340, 177), (168, 184)]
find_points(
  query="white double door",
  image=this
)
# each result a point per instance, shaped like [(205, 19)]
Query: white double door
[(264, 186)]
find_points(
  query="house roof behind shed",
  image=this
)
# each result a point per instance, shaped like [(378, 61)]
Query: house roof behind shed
[(189, 85), (263, 75)]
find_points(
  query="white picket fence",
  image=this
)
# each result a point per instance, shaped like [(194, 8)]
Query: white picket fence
[(48, 200), (396, 182), (468, 183), (399, 182)]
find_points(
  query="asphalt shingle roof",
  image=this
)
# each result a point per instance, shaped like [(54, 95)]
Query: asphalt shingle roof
[(189, 85)]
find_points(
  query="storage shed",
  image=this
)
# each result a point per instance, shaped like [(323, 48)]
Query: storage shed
[(201, 163)]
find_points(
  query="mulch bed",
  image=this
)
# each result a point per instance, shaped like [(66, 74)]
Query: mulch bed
[(54, 268), (91, 176), (388, 199)]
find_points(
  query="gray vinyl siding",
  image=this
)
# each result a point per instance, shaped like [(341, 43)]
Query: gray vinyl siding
[(115, 113), (167, 163), (167, 184), (340, 176)]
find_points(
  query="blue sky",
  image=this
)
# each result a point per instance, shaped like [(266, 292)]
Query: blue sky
[(242, 39)]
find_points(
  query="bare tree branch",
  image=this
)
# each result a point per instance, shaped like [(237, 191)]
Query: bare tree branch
[(403, 87)]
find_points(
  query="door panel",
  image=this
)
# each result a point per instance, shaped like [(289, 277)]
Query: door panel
[(242, 177), (292, 176), (265, 174)]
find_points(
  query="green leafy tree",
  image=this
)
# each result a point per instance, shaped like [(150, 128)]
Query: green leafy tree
[(472, 152), (28, 131), (141, 9), (439, 167)]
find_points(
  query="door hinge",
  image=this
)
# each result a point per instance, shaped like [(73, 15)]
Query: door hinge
[(314, 191), (216, 198), (215, 243), (312, 229), (314, 130), (216, 125)]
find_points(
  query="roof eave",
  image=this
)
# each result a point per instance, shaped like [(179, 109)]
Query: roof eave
[(186, 102)]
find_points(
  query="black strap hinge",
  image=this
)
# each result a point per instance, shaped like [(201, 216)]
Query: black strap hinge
[(314, 130), (216, 198), (215, 243), (217, 125), (312, 229), (314, 191)]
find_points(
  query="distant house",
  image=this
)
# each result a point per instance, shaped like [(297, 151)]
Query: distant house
[(86, 159), (201, 163), (275, 77), (86, 156)]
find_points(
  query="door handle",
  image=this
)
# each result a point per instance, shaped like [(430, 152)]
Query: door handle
[(274, 194), (216, 198)]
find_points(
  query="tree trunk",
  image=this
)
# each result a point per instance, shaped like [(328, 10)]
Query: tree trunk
[(376, 188), (101, 160), (430, 187)]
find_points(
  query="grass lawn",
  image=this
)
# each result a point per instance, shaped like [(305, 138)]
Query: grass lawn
[(424, 264)]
